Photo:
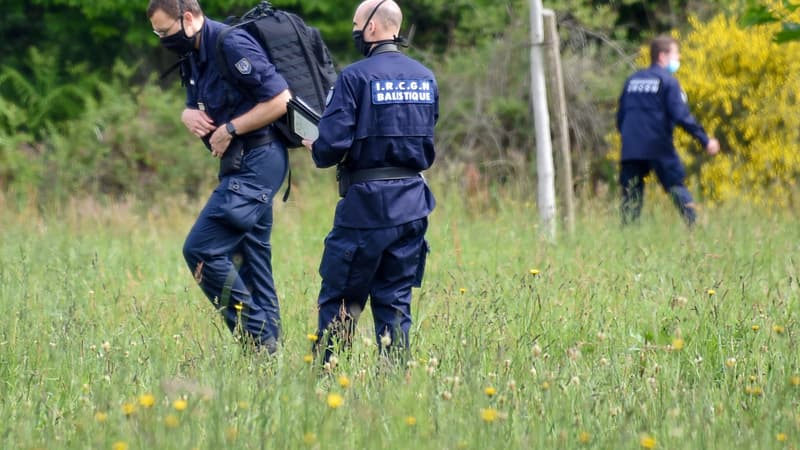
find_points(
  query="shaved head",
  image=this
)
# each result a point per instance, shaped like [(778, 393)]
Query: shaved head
[(387, 18)]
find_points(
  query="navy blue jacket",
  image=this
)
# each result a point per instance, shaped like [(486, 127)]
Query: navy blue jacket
[(650, 106), (381, 113), (207, 90)]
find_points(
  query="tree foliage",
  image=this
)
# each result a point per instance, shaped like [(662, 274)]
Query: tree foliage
[(784, 12)]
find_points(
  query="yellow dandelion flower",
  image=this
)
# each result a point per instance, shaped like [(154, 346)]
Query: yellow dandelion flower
[(677, 344), (147, 400), (119, 445), (781, 437), (231, 433), (128, 408), (239, 306), (463, 290), (490, 391), (584, 437), (344, 381), (242, 404), (100, 417), (647, 442), (795, 380), (335, 400), (778, 329), (730, 363), (310, 438), (755, 327), (711, 292), (312, 337), (534, 272), (755, 391), (172, 421), (180, 404), (545, 385), (308, 359), (489, 414), (411, 421)]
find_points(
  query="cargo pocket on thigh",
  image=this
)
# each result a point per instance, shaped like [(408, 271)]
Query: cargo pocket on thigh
[(245, 203), (337, 261), (423, 256)]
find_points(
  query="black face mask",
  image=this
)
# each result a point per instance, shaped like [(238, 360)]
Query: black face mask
[(179, 42), (362, 46), (365, 47)]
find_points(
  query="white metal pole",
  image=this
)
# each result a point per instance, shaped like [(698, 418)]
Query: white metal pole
[(544, 149)]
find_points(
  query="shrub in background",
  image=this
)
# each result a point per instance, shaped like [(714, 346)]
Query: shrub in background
[(745, 91), (128, 139), (743, 88)]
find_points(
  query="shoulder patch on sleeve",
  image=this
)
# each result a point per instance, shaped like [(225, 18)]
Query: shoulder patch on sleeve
[(243, 66)]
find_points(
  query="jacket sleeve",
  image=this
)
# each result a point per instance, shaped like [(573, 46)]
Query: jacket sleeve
[(337, 127), (250, 67), (678, 111)]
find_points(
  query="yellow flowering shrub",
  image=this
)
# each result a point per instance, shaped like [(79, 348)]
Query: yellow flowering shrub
[(743, 88)]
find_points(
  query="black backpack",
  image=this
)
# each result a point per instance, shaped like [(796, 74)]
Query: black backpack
[(297, 51)]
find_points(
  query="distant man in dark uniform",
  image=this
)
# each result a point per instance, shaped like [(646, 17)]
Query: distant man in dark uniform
[(228, 249), (650, 106), (378, 127)]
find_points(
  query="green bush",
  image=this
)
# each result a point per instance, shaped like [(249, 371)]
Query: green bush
[(127, 140)]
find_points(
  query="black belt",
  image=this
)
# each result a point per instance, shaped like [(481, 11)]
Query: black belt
[(251, 142), (347, 178)]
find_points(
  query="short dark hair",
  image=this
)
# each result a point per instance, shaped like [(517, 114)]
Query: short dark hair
[(659, 45), (174, 8)]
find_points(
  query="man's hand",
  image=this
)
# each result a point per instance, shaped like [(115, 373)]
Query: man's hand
[(197, 122), (712, 147), (308, 144), (220, 141)]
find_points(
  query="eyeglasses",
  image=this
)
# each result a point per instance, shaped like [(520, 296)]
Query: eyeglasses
[(163, 33)]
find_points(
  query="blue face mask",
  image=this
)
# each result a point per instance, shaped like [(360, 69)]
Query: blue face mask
[(673, 65)]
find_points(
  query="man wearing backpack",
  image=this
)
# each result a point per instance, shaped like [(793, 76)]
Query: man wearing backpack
[(378, 128), (228, 248)]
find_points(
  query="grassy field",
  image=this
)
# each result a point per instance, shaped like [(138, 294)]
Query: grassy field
[(649, 337)]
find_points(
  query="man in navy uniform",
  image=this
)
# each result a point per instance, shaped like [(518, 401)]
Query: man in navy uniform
[(650, 106), (228, 249), (378, 128)]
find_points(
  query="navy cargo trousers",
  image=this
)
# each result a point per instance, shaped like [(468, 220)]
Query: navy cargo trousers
[(381, 264), (228, 248), (671, 175)]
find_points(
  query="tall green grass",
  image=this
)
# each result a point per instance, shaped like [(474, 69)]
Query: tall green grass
[(607, 338)]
